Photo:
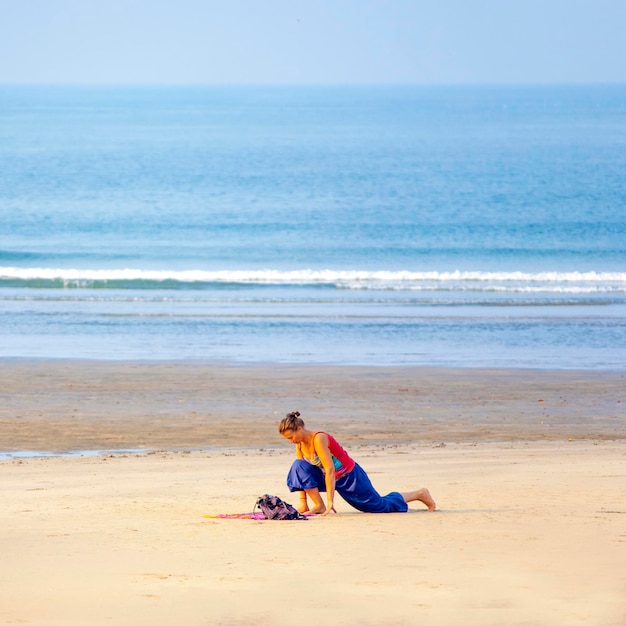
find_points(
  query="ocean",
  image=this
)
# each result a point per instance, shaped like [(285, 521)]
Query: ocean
[(467, 226)]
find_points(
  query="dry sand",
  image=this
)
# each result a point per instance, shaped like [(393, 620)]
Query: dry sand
[(528, 469)]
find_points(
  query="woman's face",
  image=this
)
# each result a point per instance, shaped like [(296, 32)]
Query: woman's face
[(295, 436)]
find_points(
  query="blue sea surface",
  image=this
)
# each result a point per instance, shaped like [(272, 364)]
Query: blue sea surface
[(451, 226)]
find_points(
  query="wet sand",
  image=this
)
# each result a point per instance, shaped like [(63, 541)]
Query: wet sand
[(61, 406)]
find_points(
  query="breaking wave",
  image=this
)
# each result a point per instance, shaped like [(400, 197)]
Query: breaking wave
[(513, 282)]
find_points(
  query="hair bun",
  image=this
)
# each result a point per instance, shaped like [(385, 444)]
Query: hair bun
[(291, 421)]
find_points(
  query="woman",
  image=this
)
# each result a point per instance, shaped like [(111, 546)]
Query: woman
[(323, 465)]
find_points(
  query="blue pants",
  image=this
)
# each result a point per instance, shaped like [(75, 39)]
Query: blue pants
[(355, 488)]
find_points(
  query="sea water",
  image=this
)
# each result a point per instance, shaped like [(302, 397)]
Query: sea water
[(449, 226)]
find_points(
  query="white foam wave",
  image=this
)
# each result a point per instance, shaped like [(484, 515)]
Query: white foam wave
[(565, 282)]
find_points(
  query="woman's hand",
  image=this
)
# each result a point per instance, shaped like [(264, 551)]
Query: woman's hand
[(329, 508)]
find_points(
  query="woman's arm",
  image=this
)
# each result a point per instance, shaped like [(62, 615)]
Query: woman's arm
[(320, 445)]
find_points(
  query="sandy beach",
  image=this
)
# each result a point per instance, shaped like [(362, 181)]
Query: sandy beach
[(527, 468)]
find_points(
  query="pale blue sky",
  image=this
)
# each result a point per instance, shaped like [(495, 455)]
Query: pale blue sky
[(312, 41)]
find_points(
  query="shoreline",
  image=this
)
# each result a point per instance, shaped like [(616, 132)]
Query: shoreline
[(253, 364), (71, 405)]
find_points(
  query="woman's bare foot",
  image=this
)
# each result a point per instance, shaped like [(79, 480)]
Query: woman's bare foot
[(422, 495), (317, 507), (427, 499)]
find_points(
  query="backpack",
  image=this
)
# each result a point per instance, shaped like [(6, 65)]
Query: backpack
[(273, 507)]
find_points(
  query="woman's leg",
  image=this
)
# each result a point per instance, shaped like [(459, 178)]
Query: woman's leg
[(307, 479), (357, 490)]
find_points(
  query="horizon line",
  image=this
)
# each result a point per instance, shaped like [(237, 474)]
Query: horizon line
[(616, 83)]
